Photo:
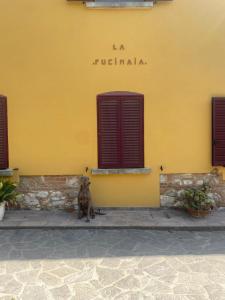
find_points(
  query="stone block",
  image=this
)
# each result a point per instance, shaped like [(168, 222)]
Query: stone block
[(30, 199), (72, 193), (186, 176), (57, 195), (177, 181), (180, 193), (171, 193), (199, 182), (167, 201), (163, 178), (187, 182), (44, 203), (42, 194), (73, 182)]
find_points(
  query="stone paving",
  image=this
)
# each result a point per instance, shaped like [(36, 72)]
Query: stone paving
[(111, 264), (162, 219)]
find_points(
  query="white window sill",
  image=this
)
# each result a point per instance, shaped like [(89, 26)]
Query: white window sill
[(118, 4), (6, 172), (121, 171)]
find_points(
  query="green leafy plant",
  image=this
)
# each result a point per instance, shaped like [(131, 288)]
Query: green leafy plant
[(197, 198), (8, 192)]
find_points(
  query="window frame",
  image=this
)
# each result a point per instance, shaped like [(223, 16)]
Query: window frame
[(123, 163)]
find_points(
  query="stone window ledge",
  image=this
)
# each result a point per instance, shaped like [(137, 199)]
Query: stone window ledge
[(6, 172), (121, 171), (103, 4)]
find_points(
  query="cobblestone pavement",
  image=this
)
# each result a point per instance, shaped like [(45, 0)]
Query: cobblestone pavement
[(111, 264)]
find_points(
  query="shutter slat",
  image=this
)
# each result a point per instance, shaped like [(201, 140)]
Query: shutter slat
[(218, 131), (4, 161)]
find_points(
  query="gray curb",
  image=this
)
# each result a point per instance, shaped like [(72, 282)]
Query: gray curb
[(156, 228)]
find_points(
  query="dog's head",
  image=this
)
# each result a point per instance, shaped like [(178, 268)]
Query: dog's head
[(84, 182)]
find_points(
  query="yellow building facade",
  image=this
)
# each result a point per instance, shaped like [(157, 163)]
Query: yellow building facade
[(57, 56)]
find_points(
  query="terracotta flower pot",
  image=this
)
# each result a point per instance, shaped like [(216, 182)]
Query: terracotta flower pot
[(198, 213)]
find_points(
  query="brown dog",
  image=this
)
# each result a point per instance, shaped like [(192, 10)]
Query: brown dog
[(85, 206)]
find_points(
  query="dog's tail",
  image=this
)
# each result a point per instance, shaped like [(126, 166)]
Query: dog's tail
[(98, 212)]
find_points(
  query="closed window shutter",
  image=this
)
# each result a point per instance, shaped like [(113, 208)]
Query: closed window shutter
[(4, 162), (132, 131), (218, 131), (108, 132), (120, 130)]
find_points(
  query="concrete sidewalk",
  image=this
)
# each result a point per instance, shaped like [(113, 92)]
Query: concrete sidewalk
[(158, 219)]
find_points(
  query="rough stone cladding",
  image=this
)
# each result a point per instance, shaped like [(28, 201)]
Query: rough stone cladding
[(48, 192), (172, 185)]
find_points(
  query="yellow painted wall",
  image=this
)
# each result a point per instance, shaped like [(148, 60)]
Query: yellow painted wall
[(46, 52)]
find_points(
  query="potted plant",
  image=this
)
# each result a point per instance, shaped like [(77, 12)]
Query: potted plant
[(197, 201), (7, 195)]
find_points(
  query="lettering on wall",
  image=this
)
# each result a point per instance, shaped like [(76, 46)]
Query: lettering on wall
[(119, 58)]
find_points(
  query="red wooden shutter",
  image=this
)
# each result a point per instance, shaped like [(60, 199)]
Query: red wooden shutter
[(218, 131), (132, 131), (108, 132), (120, 130), (4, 161)]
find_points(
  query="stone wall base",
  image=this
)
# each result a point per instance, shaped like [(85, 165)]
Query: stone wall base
[(61, 192), (171, 185), (48, 192)]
